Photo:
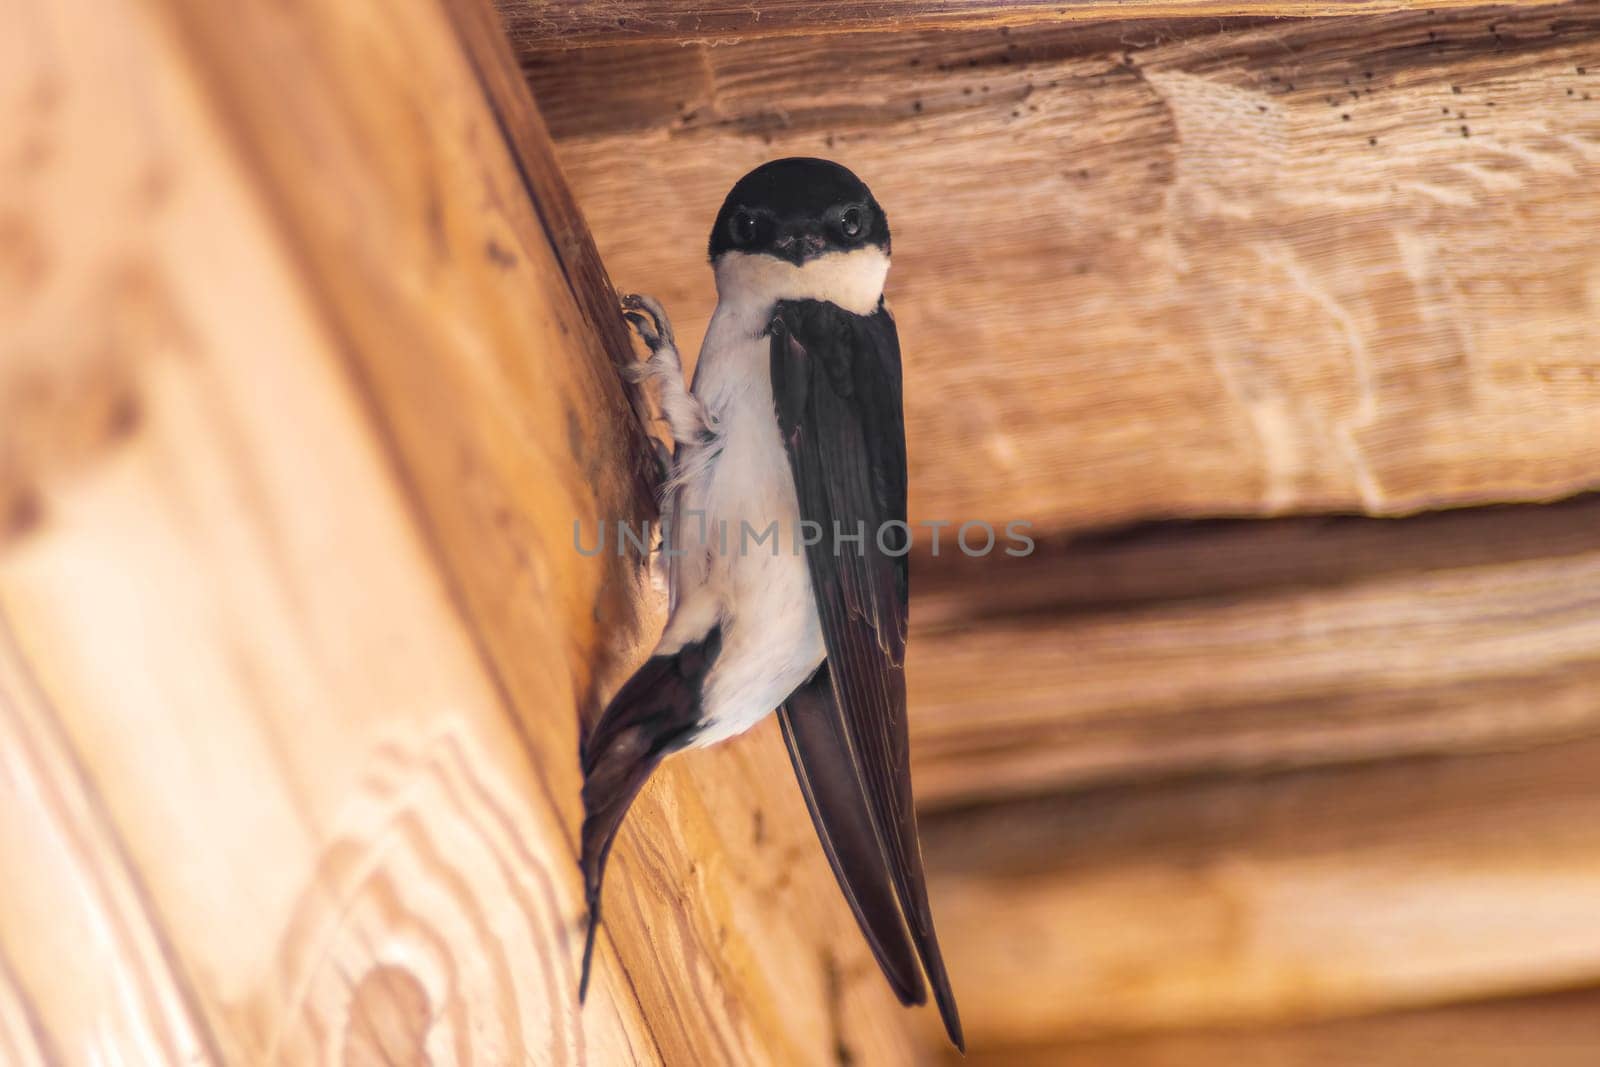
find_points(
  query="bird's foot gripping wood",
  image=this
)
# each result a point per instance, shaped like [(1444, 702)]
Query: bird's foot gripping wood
[(686, 418)]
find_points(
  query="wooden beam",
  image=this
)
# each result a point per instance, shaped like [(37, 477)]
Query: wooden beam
[(1188, 648), (303, 383), (1149, 270), (1274, 899), (1555, 1030), (1149, 564), (553, 24)]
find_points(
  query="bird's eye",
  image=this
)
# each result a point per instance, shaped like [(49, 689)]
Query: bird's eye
[(742, 227), (851, 222)]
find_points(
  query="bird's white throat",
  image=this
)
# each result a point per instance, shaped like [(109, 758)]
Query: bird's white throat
[(853, 280)]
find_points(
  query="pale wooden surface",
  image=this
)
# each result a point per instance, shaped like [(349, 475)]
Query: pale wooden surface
[(297, 407), (1556, 1030), (1146, 270), (563, 24), (1272, 898), (1182, 649)]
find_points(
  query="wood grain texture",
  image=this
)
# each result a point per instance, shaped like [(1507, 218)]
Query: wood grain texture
[(297, 408), (553, 23), (84, 959), (1151, 270), (1556, 1030), (1186, 648), (1274, 898)]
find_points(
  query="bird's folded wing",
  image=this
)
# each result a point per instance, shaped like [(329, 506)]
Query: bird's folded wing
[(814, 732), (836, 388)]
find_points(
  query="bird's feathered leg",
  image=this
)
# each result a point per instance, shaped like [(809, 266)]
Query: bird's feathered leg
[(686, 418), (691, 426)]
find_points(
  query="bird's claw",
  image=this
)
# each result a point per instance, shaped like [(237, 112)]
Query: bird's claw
[(644, 328), (679, 407), (648, 319)]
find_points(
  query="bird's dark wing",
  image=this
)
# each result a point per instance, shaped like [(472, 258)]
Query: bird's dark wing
[(836, 388), (814, 732)]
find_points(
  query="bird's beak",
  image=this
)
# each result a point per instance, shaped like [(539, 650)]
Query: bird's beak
[(799, 246)]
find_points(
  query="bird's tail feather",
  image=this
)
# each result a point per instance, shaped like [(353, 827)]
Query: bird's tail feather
[(655, 713)]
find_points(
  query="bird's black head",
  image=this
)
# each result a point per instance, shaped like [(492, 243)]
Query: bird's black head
[(798, 209)]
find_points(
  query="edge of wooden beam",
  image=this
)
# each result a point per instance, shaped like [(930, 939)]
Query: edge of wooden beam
[(542, 24)]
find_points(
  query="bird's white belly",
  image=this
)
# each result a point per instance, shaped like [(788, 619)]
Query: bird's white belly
[(745, 551)]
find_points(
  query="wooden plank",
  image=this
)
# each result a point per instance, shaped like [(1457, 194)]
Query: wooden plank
[(1271, 899), (1228, 559), (1186, 648), (1556, 1030), (298, 402), (1150, 271), (551, 23), (83, 960)]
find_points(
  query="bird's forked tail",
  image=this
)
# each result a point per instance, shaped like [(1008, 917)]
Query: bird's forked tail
[(655, 713)]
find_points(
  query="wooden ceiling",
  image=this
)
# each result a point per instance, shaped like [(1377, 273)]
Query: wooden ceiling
[(1214, 304)]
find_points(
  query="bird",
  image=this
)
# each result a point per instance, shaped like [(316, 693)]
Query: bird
[(785, 537)]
